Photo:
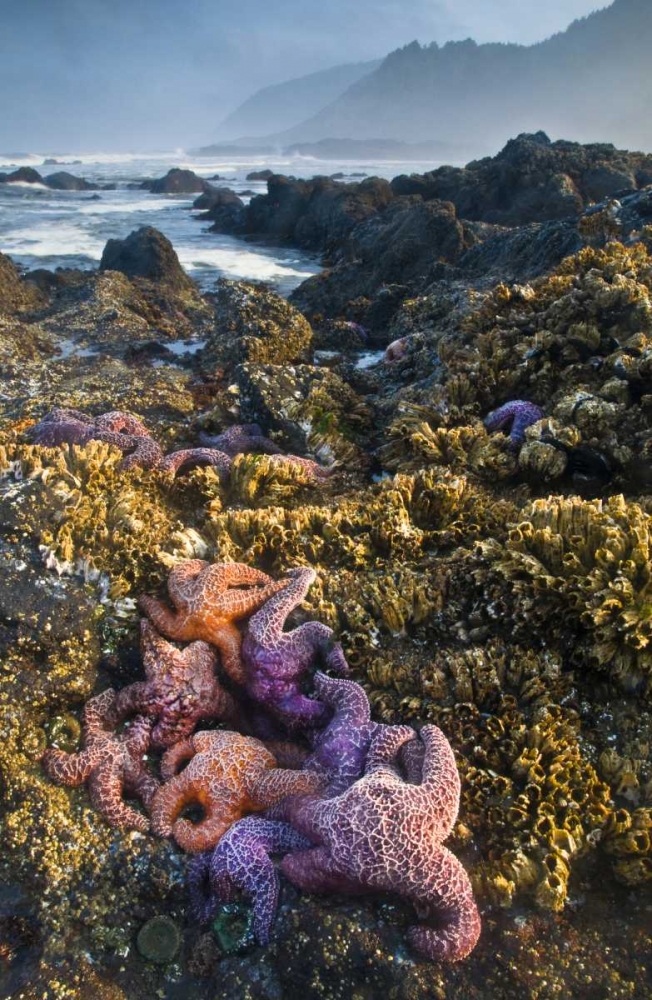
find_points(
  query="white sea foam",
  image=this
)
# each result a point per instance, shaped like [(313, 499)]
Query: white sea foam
[(238, 263), (142, 205), (52, 239), (27, 184)]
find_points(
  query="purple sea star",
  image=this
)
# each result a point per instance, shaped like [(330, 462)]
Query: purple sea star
[(518, 413), (181, 689), (110, 762), (340, 750), (241, 862), (386, 834), (124, 431), (189, 458), (276, 662), (244, 438), (240, 439)]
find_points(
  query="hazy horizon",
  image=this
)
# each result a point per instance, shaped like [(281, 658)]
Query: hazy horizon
[(97, 75)]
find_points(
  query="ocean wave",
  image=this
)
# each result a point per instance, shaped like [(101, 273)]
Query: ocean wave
[(54, 239), (128, 207), (239, 264)]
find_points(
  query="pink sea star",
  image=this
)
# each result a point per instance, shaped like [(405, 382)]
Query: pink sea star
[(276, 662), (111, 763), (181, 689), (386, 834)]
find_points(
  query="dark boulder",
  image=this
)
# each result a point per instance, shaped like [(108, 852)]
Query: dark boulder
[(63, 181), (260, 175), (223, 208), (25, 174), (146, 253), (177, 181)]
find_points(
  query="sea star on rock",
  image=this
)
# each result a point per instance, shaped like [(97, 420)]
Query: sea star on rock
[(276, 662), (340, 750), (208, 600), (518, 414), (228, 776), (190, 458), (244, 438), (111, 763), (241, 439), (397, 350), (181, 689), (65, 426), (386, 834), (241, 862)]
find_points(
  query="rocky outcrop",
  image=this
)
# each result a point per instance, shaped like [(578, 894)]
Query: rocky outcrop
[(223, 208), (260, 175), (60, 181), (63, 181), (532, 180), (255, 324), (146, 253), (314, 214), (307, 409), (24, 175), (177, 181)]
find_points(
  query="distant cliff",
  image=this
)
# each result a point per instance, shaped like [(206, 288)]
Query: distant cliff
[(592, 81), (278, 108)]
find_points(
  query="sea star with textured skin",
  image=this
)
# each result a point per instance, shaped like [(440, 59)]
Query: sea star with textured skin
[(518, 415), (386, 834), (241, 439), (241, 862), (340, 750), (190, 458), (397, 350), (124, 431), (229, 776), (181, 689), (111, 763), (244, 438), (208, 600), (276, 662)]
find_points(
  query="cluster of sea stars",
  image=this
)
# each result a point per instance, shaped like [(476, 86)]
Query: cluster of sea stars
[(65, 427), (354, 806)]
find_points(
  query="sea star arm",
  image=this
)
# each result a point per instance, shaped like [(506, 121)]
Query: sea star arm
[(319, 637), (299, 710), (190, 458), (440, 778), (229, 642), (68, 768), (133, 699), (314, 871), (385, 745), (182, 577), (448, 893), (267, 624), (348, 699), (182, 751), (105, 788), (203, 903), (165, 620), (277, 783)]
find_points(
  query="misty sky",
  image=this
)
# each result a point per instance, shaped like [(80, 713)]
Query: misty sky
[(90, 75)]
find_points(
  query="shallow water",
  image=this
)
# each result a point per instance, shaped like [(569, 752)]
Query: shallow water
[(44, 228)]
